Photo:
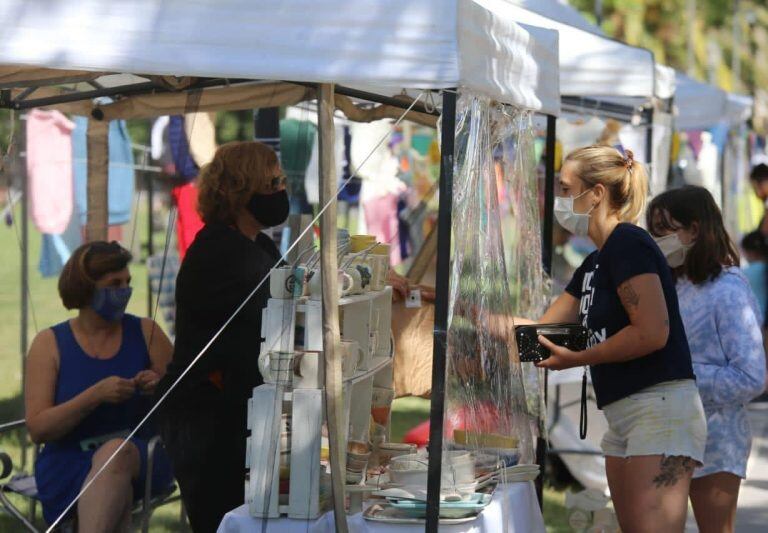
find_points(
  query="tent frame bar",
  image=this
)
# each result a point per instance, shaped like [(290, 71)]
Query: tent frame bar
[(21, 102), (440, 343), (620, 112), (7, 101)]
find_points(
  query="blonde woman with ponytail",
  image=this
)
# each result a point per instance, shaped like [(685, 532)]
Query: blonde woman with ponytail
[(203, 421), (640, 364)]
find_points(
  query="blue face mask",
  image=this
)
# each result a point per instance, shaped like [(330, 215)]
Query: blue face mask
[(110, 302)]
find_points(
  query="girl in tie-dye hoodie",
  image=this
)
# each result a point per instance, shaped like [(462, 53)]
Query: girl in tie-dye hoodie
[(722, 322)]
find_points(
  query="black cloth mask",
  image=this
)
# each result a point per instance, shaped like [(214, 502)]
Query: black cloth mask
[(269, 209)]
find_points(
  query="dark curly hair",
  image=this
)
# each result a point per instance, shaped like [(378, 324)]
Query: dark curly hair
[(226, 184)]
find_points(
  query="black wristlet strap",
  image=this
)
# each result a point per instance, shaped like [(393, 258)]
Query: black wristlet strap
[(583, 413)]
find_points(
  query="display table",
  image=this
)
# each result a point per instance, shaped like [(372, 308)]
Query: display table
[(514, 509)]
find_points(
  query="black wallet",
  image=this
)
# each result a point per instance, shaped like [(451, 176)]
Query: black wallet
[(572, 336)]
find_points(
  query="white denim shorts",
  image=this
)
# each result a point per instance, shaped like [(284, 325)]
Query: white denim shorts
[(665, 419)]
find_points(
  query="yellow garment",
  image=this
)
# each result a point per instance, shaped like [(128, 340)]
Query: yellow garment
[(675, 151), (200, 129)]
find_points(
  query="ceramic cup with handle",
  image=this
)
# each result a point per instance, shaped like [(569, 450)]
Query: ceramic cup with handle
[(281, 282), (316, 285), (277, 367), (357, 280)]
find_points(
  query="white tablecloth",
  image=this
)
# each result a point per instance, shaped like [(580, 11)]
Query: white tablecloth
[(514, 509)]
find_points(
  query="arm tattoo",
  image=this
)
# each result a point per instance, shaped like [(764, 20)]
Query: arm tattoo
[(628, 296), (671, 469)]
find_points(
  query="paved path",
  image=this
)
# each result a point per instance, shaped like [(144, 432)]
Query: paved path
[(752, 513)]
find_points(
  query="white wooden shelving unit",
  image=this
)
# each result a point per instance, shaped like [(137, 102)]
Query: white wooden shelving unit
[(295, 326)]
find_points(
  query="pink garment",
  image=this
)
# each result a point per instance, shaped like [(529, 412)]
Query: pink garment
[(49, 169), (381, 221)]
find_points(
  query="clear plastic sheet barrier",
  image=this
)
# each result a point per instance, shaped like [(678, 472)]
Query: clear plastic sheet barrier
[(485, 399), (516, 167)]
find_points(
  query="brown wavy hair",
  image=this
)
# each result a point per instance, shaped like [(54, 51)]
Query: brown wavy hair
[(87, 265), (237, 170), (681, 208), (625, 179)]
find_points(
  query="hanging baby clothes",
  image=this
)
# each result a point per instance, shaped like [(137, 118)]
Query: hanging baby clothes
[(121, 177), (579, 133), (49, 169), (381, 186), (297, 138), (160, 147), (56, 249), (188, 221)]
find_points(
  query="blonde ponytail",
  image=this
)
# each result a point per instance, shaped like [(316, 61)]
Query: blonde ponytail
[(625, 179)]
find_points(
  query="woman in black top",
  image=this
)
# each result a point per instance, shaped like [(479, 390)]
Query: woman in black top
[(638, 353), (203, 421)]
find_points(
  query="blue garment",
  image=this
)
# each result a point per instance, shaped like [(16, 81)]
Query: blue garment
[(186, 168), (629, 251), (62, 466), (56, 249), (756, 275), (723, 327), (121, 175)]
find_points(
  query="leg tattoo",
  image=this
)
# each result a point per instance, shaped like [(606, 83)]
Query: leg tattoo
[(672, 467)]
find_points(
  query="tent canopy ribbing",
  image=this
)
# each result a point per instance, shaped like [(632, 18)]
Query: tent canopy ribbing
[(385, 46)]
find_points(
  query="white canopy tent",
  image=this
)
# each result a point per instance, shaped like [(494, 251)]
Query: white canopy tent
[(386, 48), (701, 105), (389, 47), (591, 64)]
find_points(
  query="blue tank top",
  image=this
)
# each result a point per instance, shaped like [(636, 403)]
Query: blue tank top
[(78, 371)]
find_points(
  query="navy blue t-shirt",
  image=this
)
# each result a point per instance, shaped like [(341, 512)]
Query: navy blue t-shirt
[(629, 251)]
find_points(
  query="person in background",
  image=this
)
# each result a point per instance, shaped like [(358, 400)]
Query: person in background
[(624, 294), (203, 421), (755, 250), (85, 379), (758, 177), (722, 322)]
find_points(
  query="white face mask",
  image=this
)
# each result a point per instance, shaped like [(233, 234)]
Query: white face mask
[(576, 223), (673, 249)]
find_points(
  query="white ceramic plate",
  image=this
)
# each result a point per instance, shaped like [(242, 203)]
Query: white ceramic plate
[(382, 512)]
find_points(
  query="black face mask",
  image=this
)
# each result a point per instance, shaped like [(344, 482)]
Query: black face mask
[(269, 209)]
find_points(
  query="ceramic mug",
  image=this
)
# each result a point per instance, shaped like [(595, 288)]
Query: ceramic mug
[(361, 242), (276, 366), (316, 285), (357, 280), (309, 370), (281, 282)]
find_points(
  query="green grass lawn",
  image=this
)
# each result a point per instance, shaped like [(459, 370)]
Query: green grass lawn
[(46, 310)]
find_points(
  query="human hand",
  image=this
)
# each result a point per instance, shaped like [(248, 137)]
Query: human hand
[(146, 381), (115, 389), (560, 357), (400, 286), (427, 293)]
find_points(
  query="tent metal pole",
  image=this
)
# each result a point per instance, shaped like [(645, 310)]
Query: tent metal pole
[(437, 409), (649, 144), (150, 238), (549, 195), (22, 168)]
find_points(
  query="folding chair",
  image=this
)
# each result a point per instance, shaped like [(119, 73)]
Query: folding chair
[(23, 484)]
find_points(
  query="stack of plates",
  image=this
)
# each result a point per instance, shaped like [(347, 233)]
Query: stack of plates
[(518, 473), (469, 505)]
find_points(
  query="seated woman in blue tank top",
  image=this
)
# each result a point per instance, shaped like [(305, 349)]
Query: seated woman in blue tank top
[(88, 384)]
